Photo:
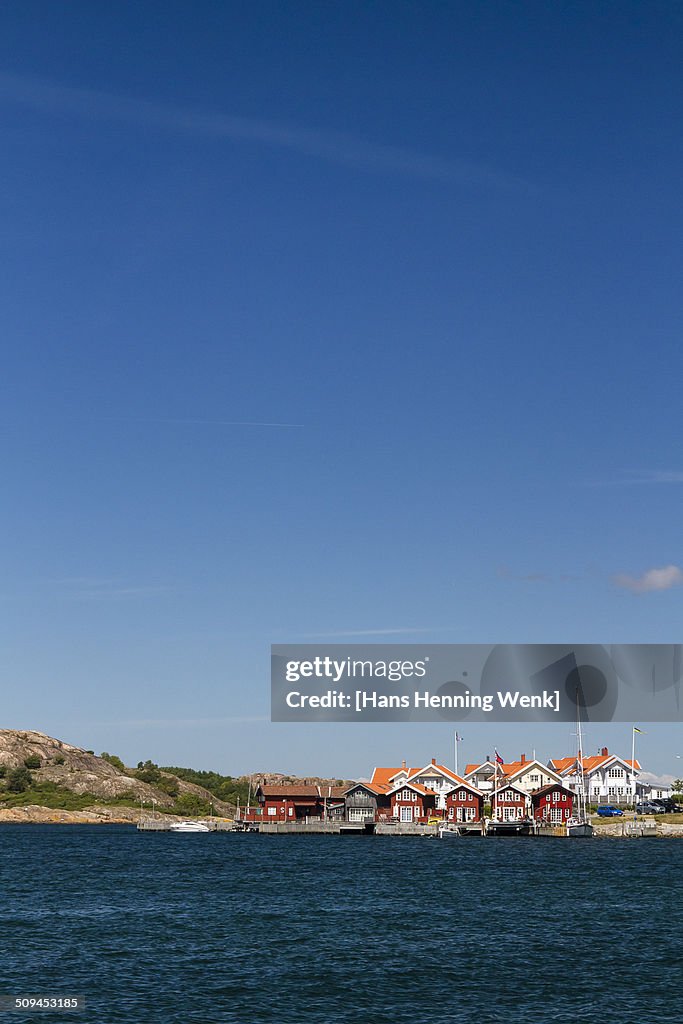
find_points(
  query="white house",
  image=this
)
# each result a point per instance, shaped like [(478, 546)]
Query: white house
[(608, 779), (528, 774)]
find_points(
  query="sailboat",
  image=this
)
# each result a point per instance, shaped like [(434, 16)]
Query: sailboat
[(579, 826)]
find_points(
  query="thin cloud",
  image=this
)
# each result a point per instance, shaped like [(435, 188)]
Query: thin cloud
[(393, 631), (53, 98), (190, 723), (506, 573), (654, 579)]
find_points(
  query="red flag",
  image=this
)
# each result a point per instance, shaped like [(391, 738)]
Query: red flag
[(499, 759)]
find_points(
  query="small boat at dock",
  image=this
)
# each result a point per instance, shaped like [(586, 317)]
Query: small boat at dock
[(189, 826), (449, 832)]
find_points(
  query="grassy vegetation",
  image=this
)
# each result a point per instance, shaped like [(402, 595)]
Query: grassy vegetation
[(49, 794)]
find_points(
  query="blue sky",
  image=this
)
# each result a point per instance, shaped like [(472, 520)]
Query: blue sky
[(331, 321)]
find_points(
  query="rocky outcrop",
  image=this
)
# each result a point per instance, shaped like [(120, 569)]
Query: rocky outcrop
[(83, 772)]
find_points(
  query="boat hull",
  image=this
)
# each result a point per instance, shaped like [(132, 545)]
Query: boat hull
[(581, 830), (509, 828), (449, 833)]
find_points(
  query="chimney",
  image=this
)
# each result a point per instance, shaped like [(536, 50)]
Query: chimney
[(403, 765), (522, 758), (433, 760), (604, 752)]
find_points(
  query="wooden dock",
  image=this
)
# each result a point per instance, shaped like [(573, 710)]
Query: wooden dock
[(163, 824)]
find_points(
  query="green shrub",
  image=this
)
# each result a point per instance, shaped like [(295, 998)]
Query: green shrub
[(32, 761), (190, 804), (223, 787), (19, 779), (169, 786), (59, 759), (113, 759)]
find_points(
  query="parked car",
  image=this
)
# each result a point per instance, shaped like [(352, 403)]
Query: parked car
[(649, 807), (667, 806), (609, 811)]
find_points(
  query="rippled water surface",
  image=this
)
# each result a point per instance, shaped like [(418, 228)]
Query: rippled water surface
[(248, 929)]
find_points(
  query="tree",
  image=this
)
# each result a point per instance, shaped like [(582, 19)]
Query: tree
[(19, 779), (113, 759), (677, 786)]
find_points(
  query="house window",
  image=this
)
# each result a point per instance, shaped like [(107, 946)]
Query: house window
[(406, 814), (272, 810), (291, 811), (615, 773), (556, 815)]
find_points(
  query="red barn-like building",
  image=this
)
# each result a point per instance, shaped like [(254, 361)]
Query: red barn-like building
[(510, 803), (464, 802), (289, 803), (412, 803), (552, 804)]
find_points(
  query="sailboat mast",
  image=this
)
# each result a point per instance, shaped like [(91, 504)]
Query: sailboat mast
[(583, 802)]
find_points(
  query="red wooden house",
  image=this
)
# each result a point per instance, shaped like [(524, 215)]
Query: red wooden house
[(464, 802), (412, 802), (289, 803), (553, 804), (510, 803)]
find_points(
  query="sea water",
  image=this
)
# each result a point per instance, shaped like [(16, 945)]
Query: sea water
[(244, 928)]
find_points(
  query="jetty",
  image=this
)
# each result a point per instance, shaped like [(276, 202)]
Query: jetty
[(164, 823)]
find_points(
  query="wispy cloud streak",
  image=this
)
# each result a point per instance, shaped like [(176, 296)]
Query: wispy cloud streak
[(393, 631), (654, 579), (56, 99)]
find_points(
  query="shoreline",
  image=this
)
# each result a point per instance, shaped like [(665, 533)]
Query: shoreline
[(34, 814)]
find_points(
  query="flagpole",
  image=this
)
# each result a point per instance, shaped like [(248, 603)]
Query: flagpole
[(633, 769), (456, 752)]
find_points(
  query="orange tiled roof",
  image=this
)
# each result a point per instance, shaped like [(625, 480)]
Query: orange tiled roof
[(563, 764), (508, 768), (383, 776)]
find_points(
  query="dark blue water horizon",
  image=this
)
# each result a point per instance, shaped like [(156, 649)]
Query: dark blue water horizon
[(245, 929)]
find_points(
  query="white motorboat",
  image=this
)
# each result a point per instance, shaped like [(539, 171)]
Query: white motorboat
[(449, 832), (189, 826)]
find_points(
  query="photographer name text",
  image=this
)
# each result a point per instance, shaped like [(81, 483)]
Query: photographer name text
[(366, 700)]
